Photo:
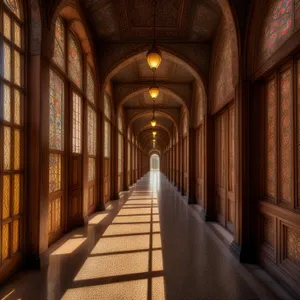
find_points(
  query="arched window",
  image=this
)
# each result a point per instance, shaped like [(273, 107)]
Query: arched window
[(67, 94), (12, 127)]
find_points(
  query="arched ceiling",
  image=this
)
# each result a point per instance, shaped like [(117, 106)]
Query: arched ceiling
[(185, 30)]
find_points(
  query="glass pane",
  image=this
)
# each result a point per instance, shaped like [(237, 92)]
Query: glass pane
[(7, 103), (5, 241), (17, 67), (7, 147), (59, 46), (92, 132), (92, 168), (17, 38), (106, 139), (50, 217), (15, 237), (6, 197), (77, 123), (57, 214), (6, 62), (54, 172), (90, 85), (56, 119), (17, 111), (74, 66), (17, 185), (13, 5), (17, 145), (6, 26)]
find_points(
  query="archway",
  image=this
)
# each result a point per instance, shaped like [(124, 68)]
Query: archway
[(154, 162)]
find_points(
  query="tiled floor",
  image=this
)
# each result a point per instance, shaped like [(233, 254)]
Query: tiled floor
[(152, 246)]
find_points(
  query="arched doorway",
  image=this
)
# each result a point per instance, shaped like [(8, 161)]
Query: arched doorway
[(154, 162)]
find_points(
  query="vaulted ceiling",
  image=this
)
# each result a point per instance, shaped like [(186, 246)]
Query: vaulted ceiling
[(184, 28)]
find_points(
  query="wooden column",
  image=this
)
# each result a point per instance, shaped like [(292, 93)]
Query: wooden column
[(114, 165), (244, 244)]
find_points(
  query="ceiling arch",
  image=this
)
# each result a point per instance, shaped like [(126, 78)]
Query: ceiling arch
[(137, 92), (150, 113)]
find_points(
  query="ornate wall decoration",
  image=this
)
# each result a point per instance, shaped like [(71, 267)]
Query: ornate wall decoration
[(278, 26), (270, 159), (293, 245), (285, 136), (223, 67)]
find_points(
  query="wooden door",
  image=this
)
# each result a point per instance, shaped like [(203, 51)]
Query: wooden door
[(224, 168)]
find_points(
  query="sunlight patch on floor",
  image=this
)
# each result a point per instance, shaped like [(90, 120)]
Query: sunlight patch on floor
[(113, 265), (69, 246), (97, 219), (121, 244), (129, 290), (132, 219), (116, 229)]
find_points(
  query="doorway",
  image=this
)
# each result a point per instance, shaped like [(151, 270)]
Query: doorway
[(155, 162)]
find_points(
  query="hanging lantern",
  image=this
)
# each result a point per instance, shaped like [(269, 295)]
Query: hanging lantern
[(154, 57), (153, 122), (154, 91), (154, 133)]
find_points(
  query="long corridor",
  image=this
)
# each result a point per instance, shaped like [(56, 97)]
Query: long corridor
[(149, 246)]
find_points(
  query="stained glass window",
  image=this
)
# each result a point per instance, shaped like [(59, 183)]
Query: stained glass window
[(6, 26), (11, 58), (5, 241), (278, 25), (17, 149), (107, 111), (91, 131), (15, 237), (7, 147), (6, 197), (106, 139), (77, 123), (17, 32), (13, 5), (74, 62), (54, 172), (56, 119), (17, 69), (6, 61), (17, 186), (17, 108), (90, 85), (59, 44), (7, 103)]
